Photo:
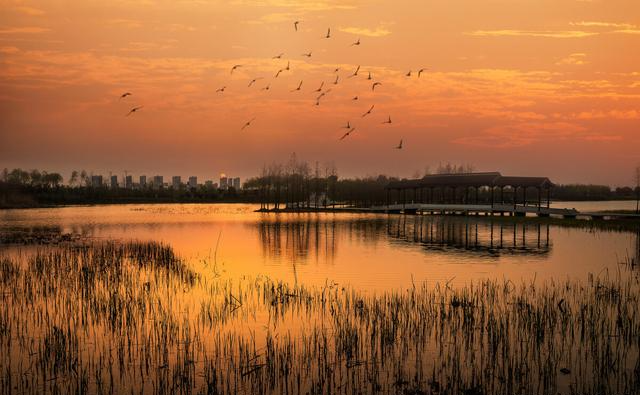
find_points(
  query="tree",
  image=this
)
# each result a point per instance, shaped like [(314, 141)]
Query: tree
[(636, 178), (73, 180)]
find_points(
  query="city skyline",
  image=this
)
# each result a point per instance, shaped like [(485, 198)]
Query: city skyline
[(505, 86)]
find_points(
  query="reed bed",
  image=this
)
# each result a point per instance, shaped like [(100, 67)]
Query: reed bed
[(133, 318)]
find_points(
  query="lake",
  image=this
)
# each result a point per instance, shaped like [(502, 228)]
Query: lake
[(368, 252)]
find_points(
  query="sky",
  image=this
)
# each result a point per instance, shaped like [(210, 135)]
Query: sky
[(524, 87)]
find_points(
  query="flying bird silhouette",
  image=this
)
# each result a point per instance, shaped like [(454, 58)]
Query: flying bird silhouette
[(235, 67), (328, 33), (308, 55), (278, 56), (368, 111), (369, 76), (347, 134), (298, 88), (336, 81), (399, 145), (356, 43), (221, 89), (287, 68), (253, 81), (421, 71), (133, 110), (388, 120), (320, 88), (266, 88), (347, 126), (355, 98), (295, 25), (373, 87), (247, 124), (408, 73), (278, 73), (336, 70), (355, 73), (122, 96)]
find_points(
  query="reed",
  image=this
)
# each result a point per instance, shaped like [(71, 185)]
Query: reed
[(109, 317)]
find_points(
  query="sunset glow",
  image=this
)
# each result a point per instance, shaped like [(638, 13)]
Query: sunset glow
[(525, 87)]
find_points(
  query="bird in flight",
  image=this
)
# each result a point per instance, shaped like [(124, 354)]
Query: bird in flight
[(295, 25), (253, 81), (421, 71), (328, 33), (247, 124), (347, 126), (221, 89), (355, 98), (134, 109), (388, 120), (347, 134), (278, 56), (308, 55), (266, 88), (122, 96), (336, 70), (368, 111), (320, 88), (355, 73), (298, 88), (356, 43), (373, 87), (399, 145), (288, 68), (369, 76), (408, 73), (235, 67), (278, 73), (336, 81)]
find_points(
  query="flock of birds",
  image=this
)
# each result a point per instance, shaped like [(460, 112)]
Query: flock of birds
[(320, 90)]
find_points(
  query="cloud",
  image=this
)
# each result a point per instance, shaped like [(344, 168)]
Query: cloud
[(575, 59), (299, 5), (603, 24), (361, 31), (532, 33), (24, 30), (522, 134), (30, 11), (128, 23)]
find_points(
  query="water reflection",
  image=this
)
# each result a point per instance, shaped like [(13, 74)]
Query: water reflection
[(472, 236)]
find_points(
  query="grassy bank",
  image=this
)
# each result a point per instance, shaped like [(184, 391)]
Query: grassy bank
[(133, 317)]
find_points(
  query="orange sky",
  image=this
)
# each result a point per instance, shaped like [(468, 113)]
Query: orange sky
[(533, 87)]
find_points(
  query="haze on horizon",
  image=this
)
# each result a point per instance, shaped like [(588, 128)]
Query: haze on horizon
[(528, 87)]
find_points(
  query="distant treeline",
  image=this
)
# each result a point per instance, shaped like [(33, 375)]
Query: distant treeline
[(19, 188), (294, 184)]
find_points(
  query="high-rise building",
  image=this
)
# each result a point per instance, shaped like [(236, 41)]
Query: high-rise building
[(143, 181), (176, 182), (236, 183), (193, 182), (114, 182), (128, 182), (223, 181), (158, 182), (96, 181)]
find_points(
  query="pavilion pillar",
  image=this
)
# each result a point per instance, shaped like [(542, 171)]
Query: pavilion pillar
[(524, 196), (548, 196), (477, 194), (515, 198), (539, 197), (388, 198), (492, 189), (502, 195)]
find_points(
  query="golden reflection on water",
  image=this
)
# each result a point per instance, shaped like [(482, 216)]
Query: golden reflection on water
[(369, 252)]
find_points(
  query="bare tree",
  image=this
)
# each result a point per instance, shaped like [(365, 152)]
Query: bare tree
[(636, 178)]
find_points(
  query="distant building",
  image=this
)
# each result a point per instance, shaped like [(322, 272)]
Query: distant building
[(209, 184), (143, 181), (223, 181), (215, 185), (114, 182), (176, 182), (236, 183), (158, 182), (128, 182), (193, 182), (96, 181)]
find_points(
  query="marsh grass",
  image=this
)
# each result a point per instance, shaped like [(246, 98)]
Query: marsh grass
[(134, 318)]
